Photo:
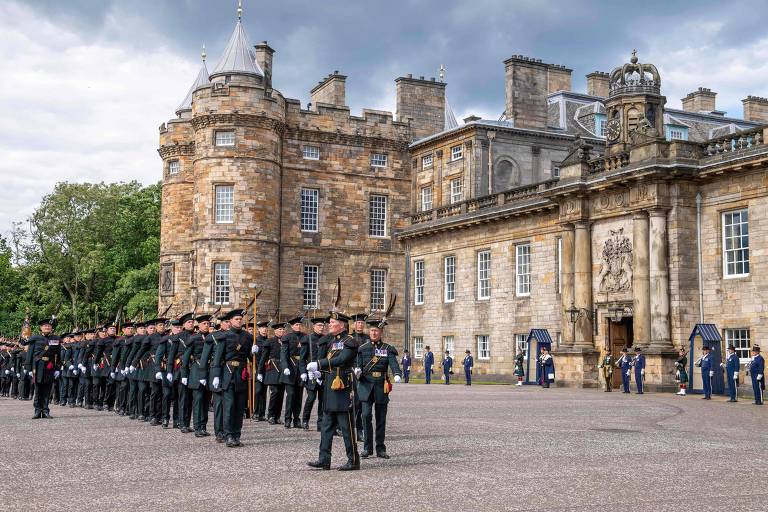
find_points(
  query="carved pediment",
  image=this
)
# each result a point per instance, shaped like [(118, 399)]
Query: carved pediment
[(616, 266)]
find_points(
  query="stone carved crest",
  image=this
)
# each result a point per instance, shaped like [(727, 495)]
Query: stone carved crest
[(616, 269), (166, 279)]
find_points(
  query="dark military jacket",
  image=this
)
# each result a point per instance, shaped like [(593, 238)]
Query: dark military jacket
[(230, 359), (269, 362), (181, 342), (338, 362), (130, 346), (116, 358), (374, 361), (103, 356), (212, 341), (311, 349), (290, 355), (164, 357), (192, 367), (146, 358), (87, 353), (43, 357)]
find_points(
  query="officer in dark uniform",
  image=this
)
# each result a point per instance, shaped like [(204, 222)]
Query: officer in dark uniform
[(229, 369), (338, 386), (406, 364), (316, 341), (291, 377), (133, 375), (625, 364), (194, 377), (468, 363), (166, 353), (43, 363), (61, 382), (757, 373), (72, 373), (447, 365), (707, 372), (270, 371), (731, 367), (182, 393), (120, 350), (638, 363), (358, 332), (606, 364), (150, 370), (102, 360), (85, 363), (429, 361), (212, 342), (260, 389), (375, 359)]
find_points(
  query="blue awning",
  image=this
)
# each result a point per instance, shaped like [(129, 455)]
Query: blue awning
[(708, 333), (541, 335)]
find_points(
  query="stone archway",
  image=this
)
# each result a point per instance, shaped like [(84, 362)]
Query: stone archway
[(506, 175)]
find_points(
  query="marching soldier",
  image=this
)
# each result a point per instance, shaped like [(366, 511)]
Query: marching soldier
[(335, 370), (62, 381), (103, 388), (374, 361), (606, 364), (731, 367), (625, 365), (270, 371), (71, 374), (681, 372), (85, 364), (166, 354), (705, 363), (43, 363), (182, 393), (639, 364), (133, 378), (468, 364), (120, 350), (316, 344), (150, 368), (194, 376), (291, 378), (260, 391), (757, 372), (210, 347)]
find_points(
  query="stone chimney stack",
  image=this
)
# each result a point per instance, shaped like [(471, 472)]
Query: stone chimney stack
[(264, 54), (702, 100), (527, 83), (331, 90), (422, 102), (755, 109), (598, 84)]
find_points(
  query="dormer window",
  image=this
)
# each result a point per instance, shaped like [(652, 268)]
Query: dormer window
[(676, 132)]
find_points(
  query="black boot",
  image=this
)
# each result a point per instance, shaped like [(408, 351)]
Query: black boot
[(349, 466), (319, 465)]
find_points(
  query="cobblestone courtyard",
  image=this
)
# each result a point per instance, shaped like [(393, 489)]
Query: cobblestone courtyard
[(457, 448)]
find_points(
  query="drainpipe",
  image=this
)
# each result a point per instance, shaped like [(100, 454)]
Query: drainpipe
[(407, 301), (491, 137), (698, 256)]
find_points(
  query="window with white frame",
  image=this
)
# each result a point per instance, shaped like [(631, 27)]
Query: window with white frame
[(600, 124), (739, 338), (457, 190), (418, 282), (676, 132), (523, 269), (521, 344), (450, 278), (448, 344), (225, 137), (418, 347), (484, 275), (457, 153), (736, 243), (310, 152), (221, 283), (555, 172), (225, 204), (426, 161), (174, 166), (377, 210), (559, 264), (310, 199), (426, 199), (378, 160), (378, 289), (483, 346), (311, 282)]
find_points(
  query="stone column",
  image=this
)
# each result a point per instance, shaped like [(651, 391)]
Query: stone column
[(566, 284), (582, 283), (659, 281), (641, 323)]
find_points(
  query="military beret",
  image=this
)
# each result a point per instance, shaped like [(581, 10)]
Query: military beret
[(129, 324), (157, 321), (338, 315), (359, 317), (319, 319), (232, 314), (263, 323), (277, 324), (44, 321), (376, 323), (188, 316), (176, 322), (295, 320), (204, 318)]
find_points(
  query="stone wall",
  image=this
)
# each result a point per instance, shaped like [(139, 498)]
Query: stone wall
[(422, 103)]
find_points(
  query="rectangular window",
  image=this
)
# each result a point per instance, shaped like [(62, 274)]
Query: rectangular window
[(378, 160), (448, 344), (225, 138), (739, 338), (559, 265), (418, 282), (310, 199), (677, 132), (418, 347), (378, 289), (457, 153), (521, 344), (377, 210), (457, 190), (736, 243), (484, 275), (221, 283), (225, 204), (311, 281), (174, 166), (426, 199), (450, 279), (523, 269), (426, 162), (555, 172), (600, 123), (310, 152), (483, 346)]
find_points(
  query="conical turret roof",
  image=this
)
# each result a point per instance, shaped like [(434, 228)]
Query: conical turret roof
[(450, 117), (238, 56), (201, 80)]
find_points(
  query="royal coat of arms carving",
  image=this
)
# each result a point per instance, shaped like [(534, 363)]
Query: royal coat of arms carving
[(616, 269)]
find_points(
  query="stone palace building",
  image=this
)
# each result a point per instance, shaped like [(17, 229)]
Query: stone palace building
[(604, 217)]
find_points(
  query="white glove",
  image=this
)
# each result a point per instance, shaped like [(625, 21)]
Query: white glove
[(215, 383), (711, 373), (259, 377), (760, 377), (18, 375), (24, 371), (286, 372), (158, 376), (184, 381), (722, 365), (312, 367), (56, 374), (111, 375), (95, 368), (81, 367), (169, 376), (319, 381), (735, 376), (71, 367), (397, 378), (358, 372), (628, 372), (317, 376), (131, 368), (74, 372), (642, 372), (255, 349), (203, 382), (13, 370), (7, 372), (303, 377)]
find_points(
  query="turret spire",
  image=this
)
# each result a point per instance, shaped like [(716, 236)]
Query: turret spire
[(201, 80), (239, 10), (238, 56)]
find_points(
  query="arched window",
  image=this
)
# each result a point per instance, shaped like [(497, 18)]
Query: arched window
[(506, 175)]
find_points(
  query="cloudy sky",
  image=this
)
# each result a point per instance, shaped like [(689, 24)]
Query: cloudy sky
[(86, 83)]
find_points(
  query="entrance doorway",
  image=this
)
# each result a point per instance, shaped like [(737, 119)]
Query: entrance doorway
[(619, 336)]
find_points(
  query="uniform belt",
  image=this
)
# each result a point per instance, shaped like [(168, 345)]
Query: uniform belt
[(44, 359), (376, 374), (233, 363), (295, 358)]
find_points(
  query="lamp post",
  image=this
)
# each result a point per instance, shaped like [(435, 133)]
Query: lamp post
[(575, 313)]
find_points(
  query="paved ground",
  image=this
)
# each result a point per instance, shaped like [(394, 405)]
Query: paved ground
[(458, 448)]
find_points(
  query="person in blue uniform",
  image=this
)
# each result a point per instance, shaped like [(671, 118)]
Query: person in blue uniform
[(625, 364), (547, 367), (707, 372), (429, 362), (639, 365), (43, 363), (447, 365), (468, 363), (406, 365), (731, 367), (757, 372)]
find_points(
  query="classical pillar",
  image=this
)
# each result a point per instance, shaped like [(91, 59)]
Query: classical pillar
[(659, 281), (566, 283), (582, 284), (641, 323), (437, 182)]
